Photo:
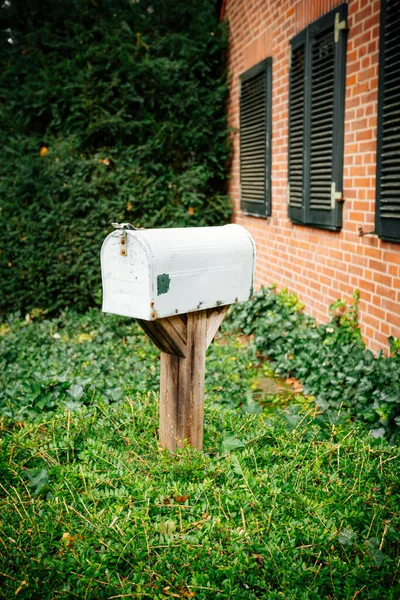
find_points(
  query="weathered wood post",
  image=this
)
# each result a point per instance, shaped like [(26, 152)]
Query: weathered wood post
[(183, 341), (172, 282)]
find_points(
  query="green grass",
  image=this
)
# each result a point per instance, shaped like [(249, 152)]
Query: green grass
[(288, 507), (291, 504)]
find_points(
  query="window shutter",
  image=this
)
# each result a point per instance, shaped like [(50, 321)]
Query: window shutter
[(316, 117), (327, 45), (255, 140), (297, 148), (321, 127), (388, 156)]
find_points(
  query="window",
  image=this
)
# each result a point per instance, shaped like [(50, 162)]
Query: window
[(316, 121), (255, 140), (387, 215)]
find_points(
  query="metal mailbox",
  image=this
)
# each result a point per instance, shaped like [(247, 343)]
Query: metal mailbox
[(150, 274)]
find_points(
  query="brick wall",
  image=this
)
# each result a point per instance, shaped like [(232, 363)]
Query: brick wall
[(320, 266)]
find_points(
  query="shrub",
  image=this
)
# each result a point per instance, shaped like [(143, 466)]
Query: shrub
[(114, 110), (329, 359)]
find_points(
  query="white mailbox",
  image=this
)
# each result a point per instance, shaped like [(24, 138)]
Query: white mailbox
[(155, 273)]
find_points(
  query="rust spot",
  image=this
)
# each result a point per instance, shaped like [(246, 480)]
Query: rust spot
[(152, 304), (153, 314)]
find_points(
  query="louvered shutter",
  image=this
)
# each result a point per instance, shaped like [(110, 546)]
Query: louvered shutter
[(297, 147), (317, 75), (255, 140), (388, 158)]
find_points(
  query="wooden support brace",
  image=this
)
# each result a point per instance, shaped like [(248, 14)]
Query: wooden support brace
[(169, 335), (183, 341)]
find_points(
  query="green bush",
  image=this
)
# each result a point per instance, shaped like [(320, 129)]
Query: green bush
[(329, 359), (112, 110)]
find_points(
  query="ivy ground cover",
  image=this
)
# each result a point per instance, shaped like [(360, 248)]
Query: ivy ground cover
[(330, 359), (292, 504)]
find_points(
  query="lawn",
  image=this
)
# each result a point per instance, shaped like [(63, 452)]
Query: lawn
[(286, 501)]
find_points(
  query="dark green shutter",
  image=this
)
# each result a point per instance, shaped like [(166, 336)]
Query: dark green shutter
[(297, 148), (317, 75), (322, 92), (388, 154), (255, 140)]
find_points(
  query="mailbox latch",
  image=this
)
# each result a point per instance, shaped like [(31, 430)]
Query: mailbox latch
[(122, 243), (122, 236)]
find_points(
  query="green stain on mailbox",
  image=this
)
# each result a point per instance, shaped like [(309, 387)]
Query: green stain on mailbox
[(163, 282)]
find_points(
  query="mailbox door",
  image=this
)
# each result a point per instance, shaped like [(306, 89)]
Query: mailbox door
[(126, 278)]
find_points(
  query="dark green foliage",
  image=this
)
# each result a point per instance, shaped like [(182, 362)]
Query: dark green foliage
[(76, 360), (296, 508), (330, 359), (111, 110)]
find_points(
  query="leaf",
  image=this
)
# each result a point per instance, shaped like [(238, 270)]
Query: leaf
[(4, 329), (378, 557), (69, 540), (168, 527), (231, 443), (346, 536), (294, 383), (73, 405), (115, 394), (378, 433), (236, 466), (84, 337), (76, 391), (292, 419), (253, 408), (374, 551), (181, 499), (63, 378), (323, 404), (40, 481)]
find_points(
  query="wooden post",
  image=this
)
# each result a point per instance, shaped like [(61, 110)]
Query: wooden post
[(183, 341)]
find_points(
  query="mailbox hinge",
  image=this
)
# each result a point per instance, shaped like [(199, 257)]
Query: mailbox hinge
[(335, 196), (339, 25), (123, 227)]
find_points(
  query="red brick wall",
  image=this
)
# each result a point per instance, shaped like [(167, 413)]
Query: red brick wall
[(320, 266)]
